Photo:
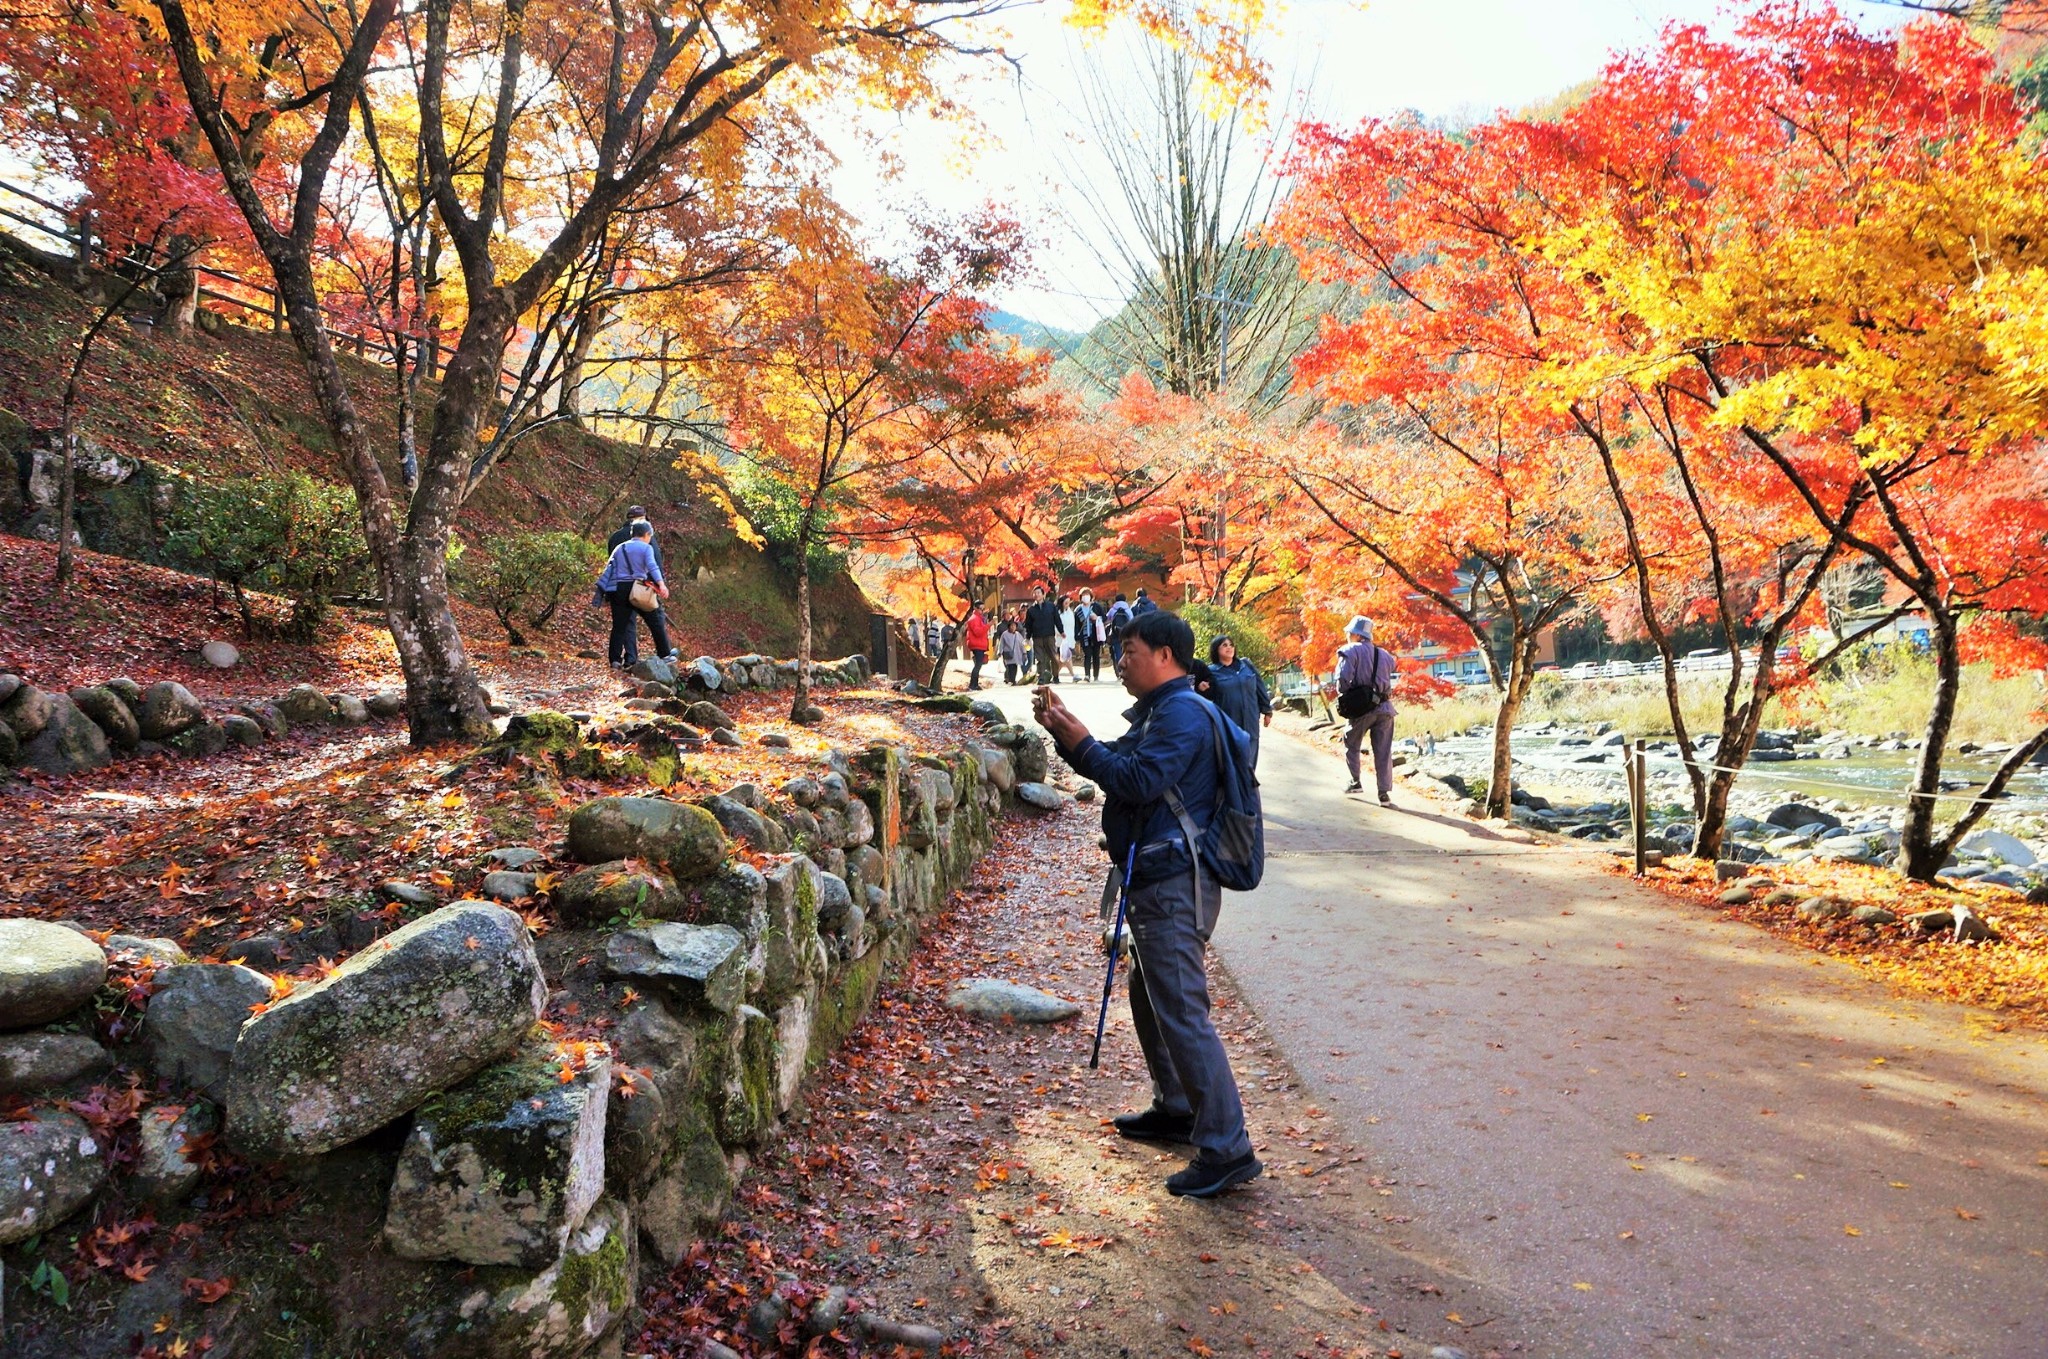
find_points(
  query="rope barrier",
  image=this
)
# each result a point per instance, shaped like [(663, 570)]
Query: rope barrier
[(1866, 789)]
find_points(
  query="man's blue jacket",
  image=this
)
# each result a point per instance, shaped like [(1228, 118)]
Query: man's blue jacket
[(1171, 744)]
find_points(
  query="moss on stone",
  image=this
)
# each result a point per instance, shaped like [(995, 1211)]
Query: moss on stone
[(600, 1275), (842, 1001), (806, 904)]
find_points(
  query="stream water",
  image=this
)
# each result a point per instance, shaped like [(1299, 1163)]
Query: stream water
[(1865, 778)]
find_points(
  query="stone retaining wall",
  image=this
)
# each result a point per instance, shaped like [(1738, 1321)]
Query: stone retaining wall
[(482, 1184)]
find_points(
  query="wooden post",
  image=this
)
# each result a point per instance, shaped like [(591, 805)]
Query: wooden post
[(1639, 805)]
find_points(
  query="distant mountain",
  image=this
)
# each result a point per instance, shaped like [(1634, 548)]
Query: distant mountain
[(1035, 334)]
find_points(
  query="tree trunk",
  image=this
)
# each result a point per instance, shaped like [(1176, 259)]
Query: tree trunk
[(587, 322), (181, 286), (803, 632), (67, 497), (443, 700), (1920, 857), (1500, 785)]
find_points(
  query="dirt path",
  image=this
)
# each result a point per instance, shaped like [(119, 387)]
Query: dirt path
[(963, 1176), (1648, 1130)]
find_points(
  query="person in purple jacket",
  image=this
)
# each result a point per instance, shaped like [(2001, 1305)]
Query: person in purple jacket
[(1361, 663), (631, 561)]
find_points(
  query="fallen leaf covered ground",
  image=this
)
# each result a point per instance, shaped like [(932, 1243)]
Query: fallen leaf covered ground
[(962, 1175), (2008, 975)]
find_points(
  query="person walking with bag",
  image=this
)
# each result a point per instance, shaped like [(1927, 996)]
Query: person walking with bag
[(1042, 631), (1011, 646), (1157, 779), (974, 632), (1365, 698), (633, 583)]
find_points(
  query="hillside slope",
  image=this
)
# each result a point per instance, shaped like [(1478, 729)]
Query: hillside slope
[(215, 405)]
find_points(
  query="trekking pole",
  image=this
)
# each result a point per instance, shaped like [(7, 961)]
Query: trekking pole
[(1116, 946)]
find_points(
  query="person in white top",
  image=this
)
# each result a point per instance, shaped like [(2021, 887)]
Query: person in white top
[(1066, 640)]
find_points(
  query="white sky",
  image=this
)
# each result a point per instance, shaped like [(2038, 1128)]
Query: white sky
[(1440, 57)]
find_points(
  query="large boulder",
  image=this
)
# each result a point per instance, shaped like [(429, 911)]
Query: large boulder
[(708, 715), (423, 1008), (304, 706), (1043, 796), (655, 670), (502, 1168), (112, 716), (46, 972), (268, 717), (997, 768), (202, 741), (167, 709), (791, 947), (42, 1060), (686, 840), (50, 1165), (69, 743), (704, 965), (189, 1030)]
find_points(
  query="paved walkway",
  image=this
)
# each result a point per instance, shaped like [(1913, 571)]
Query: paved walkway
[(1638, 1128)]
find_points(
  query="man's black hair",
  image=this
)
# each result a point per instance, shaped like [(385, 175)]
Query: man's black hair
[(1141, 590), (1120, 597), (1167, 630)]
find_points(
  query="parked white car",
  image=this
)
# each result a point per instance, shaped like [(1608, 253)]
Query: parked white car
[(1583, 670)]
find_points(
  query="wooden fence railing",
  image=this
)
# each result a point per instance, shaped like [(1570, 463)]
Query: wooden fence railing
[(74, 233)]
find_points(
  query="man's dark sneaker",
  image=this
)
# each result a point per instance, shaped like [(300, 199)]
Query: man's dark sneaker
[(1354, 787), (1206, 1179), (1386, 801), (1155, 1125)]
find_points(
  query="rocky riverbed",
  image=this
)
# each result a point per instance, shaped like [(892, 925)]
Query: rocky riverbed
[(1803, 795)]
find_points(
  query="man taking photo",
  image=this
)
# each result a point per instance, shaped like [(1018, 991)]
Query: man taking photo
[(1171, 907)]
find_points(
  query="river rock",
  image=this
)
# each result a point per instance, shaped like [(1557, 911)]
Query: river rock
[(241, 731), (989, 998), (616, 890), (165, 1168), (46, 972), (405, 894), (505, 885), (50, 1165), (1873, 915), (1043, 796), (219, 654), (705, 671), (70, 742), (997, 768), (501, 1169), (746, 825), (268, 717), (113, 716), (10, 685), (350, 710), (514, 857), (188, 1033), (386, 703), (695, 964), (26, 711), (41, 1060), (2007, 849), (304, 706), (686, 840), (426, 1006), (656, 670), (167, 709), (704, 713), (1797, 815), (560, 1310), (201, 741)]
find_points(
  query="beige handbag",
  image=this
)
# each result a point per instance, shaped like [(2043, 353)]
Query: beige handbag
[(643, 596)]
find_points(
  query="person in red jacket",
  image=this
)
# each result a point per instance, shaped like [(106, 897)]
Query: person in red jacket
[(975, 633)]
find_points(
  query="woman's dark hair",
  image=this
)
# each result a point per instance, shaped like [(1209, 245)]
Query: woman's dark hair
[(1168, 630), (1216, 650)]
